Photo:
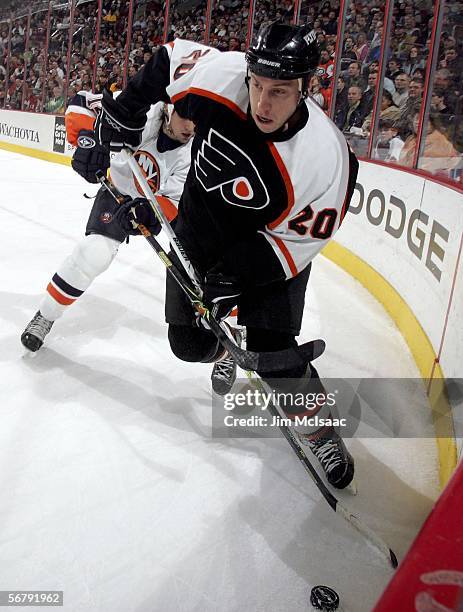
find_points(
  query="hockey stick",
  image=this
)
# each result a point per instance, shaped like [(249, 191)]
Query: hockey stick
[(333, 502), (161, 217), (247, 360)]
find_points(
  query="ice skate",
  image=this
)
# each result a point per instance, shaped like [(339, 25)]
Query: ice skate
[(34, 334), (224, 371), (335, 459)]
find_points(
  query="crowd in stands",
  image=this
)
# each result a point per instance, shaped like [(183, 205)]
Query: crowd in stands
[(403, 86), (37, 78)]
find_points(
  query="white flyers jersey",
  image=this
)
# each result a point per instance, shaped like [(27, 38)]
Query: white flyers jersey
[(288, 191)]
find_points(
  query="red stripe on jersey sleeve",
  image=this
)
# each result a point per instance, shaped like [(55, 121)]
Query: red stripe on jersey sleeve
[(287, 255), (168, 207), (288, 184), (212, 96), (75, 122)]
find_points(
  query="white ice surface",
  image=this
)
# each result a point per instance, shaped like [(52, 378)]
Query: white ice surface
[(112, 488)]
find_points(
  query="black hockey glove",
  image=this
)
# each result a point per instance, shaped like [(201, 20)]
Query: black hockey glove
[(116, 127), (133, 213), (89, 157), (221, 291)]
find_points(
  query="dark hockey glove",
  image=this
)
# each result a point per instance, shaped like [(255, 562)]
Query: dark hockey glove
[(133, 213), (221, 291), (89, 157), (116, 127)]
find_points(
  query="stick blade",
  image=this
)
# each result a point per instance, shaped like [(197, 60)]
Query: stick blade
[(290, 358), (312, 350)]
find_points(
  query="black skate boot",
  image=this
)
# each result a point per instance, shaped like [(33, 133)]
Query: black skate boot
[(224, 371), (335, 459), (35, 332)]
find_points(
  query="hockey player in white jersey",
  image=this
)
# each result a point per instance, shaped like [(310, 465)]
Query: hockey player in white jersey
[(164, 156), (270, 183)]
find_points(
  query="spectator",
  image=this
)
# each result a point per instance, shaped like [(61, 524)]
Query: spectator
[(388, 110), (342, 105), (414, 62), (442, 111), (354, 76), (110, 19), (393, 68), (315, 91), (14, 95), (389, 144), (369, 94), (411, 106), (452, 63), (354, 116), (362, 47), (439, 154), (443, 80), (55, 104), (410, 37), (375, 44), (402, 83), (331, 26), (348, 54), (325, 69)]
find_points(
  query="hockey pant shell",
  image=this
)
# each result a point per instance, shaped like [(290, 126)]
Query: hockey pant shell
[(271, 314), (277, 307)]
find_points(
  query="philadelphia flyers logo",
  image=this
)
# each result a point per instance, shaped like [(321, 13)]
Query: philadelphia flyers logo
[(221, 165), (150, 169), (189, 62)]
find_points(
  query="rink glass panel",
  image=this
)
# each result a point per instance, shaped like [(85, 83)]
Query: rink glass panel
[(442, 139), (113, 37), (4, 54), (187, 20), (408, 53), (218, 15), (58, 45), (15, 76), (121, 49), (35, 75), (363, 36), (82, 47)]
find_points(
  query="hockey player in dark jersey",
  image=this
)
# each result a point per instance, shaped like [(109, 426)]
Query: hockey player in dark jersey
[(270, 182)]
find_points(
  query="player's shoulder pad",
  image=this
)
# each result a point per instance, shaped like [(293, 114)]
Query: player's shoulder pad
[(184, 55), (221, 79), (81, 114)]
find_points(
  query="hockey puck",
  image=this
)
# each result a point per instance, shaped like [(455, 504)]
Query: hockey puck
[(324, 598)]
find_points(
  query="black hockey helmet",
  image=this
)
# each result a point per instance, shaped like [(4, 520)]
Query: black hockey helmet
[(284, 52)]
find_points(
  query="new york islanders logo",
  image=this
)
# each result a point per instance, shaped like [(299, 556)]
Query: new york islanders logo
[(150, 169), (221, 165)]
